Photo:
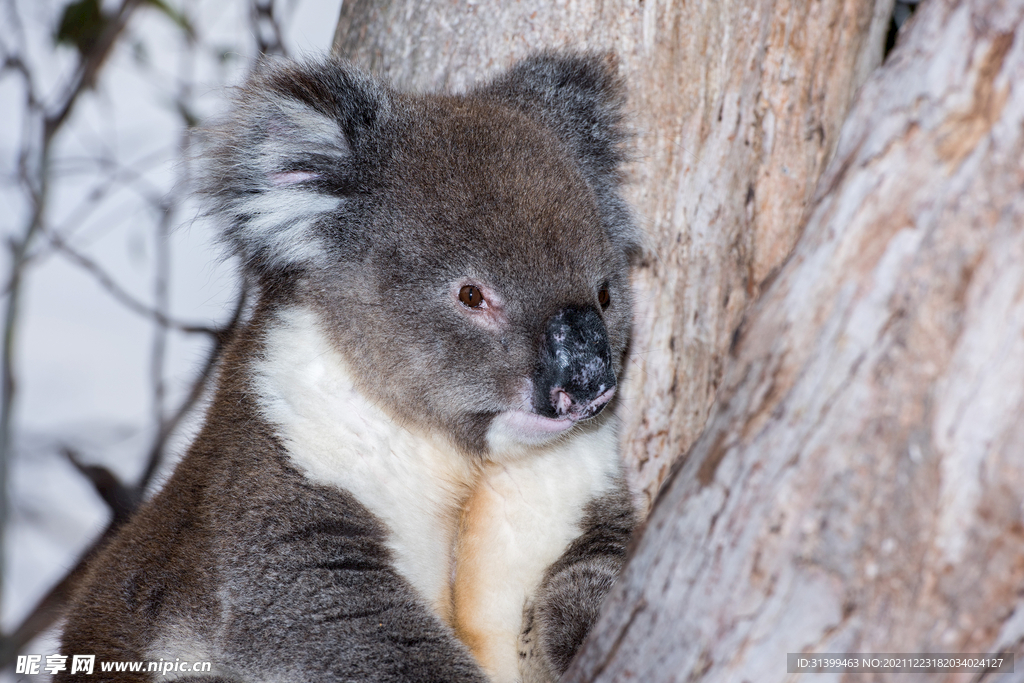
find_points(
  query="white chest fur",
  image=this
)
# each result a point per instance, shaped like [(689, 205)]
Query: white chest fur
[(473, 539), (412, 483), (520, 519)]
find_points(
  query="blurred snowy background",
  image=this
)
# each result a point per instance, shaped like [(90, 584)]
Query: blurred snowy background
[(118, 286)]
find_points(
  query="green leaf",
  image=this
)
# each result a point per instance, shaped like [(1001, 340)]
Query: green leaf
[(81, 25)]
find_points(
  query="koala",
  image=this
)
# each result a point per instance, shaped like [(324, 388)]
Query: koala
[(409, 469)]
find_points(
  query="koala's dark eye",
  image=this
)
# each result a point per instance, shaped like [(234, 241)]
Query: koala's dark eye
[(604, 298), (471, 296)]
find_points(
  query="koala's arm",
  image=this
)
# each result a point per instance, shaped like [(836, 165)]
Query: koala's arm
[(568, 601)]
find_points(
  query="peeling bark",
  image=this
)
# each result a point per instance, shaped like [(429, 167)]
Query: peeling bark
[(860, 484), (737, 108)]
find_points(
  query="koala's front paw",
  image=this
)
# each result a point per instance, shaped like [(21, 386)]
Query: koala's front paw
[(558, 621)]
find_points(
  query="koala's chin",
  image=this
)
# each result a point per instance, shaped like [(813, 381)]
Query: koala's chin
[(409, 470)]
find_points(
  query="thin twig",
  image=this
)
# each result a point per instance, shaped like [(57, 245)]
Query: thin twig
[(266, 28), (51, 605), (90, 66), (122, 499), (168, 427), (123, 296)]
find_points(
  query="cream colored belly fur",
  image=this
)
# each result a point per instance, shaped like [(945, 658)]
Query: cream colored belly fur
[(473, 539)]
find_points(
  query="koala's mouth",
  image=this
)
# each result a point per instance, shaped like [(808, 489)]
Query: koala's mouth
[(526, 423), (526, 427)]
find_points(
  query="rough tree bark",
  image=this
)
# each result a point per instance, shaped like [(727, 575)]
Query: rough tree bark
[(859, 486), (737, 108)]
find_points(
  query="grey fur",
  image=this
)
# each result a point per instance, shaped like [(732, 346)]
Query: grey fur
[(365, 205)]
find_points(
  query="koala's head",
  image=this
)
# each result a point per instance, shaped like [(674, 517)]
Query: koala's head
[(468, 254)]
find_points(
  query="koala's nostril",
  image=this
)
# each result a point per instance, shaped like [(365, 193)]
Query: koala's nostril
[(561, 401), (564, 405)]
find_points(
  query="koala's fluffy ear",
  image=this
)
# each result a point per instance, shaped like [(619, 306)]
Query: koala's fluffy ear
[(580, 97), (286, 157)]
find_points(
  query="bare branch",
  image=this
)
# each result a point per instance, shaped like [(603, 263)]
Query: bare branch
[(168, 426), (123, 296), (49, 608), (90, 66), (266, 28), (121, 499)]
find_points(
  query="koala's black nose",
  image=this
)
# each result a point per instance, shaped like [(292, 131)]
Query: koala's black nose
[(574, 376)]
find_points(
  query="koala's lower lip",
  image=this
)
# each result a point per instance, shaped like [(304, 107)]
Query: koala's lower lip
[(528, 423)]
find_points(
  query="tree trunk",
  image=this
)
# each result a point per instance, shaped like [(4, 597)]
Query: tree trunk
[(737, 107), (859, 486)]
